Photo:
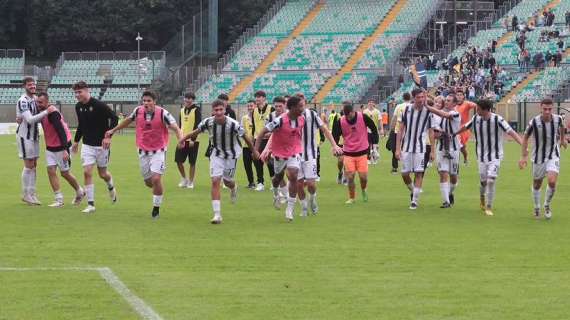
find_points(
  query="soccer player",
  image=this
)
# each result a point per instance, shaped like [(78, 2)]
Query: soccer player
[(447, 121), (260, 115), (58, 142), (152, 123), (354, 126), (28, 138), (94, 118), (395, 127), (248, 125), (280, 106), (464, 108), (333, 118), (286, 149), (548, 132), (229, 111), (309, 169), (190, 117), (489, 128), (415, 129), (226, 148), (373, 113)]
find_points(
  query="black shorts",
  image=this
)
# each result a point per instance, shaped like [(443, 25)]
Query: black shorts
[(190, 153)]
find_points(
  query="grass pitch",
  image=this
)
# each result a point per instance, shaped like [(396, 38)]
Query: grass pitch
[(375, 260)]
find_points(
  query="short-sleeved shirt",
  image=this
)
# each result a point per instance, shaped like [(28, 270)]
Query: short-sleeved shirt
[(224, 138)]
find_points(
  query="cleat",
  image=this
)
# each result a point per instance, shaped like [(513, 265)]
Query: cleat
[(190, 185), (489, 212), (364, 196), (79, 198), (29, 200), (216, 220), (260, 187), (394, 171), (547, 213), (251, 186), (413, 206), (35, 200), (89, 209), (350, 201), (233, 195), (183, 183), (155, 213), (56, 204), (451, 199), (276, 203), (113, 195), (445, 205), (482, 203), (314, 206), (536, 213)]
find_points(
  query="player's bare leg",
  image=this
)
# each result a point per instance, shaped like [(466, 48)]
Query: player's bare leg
[(363, 177), (351, 187), (233, 189)]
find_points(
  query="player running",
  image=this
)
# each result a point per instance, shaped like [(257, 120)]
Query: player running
[(548, 132), (464, 108), (447, 122), (190, 117), (286, 150), (28, 138), (415, 129), (58, 142), (354, 126), (489, 128), (152, 123), (226, 148), (94, 118)]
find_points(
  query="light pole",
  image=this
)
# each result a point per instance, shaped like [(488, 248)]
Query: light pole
[(138, 39)]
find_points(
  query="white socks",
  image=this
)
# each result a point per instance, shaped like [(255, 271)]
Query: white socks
[(549, 195), (482, 190), (90, 192), (536, 198), (444, 188), (216, 207), (291, 203), (276, 192), (58, 196), (304, 204), (312, 197), (110, 184), (26, 181), (284, 190), (156, 200), (416, 195), (490, 191)]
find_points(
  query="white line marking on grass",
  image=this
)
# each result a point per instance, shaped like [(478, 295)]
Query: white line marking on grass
[(138, 304)]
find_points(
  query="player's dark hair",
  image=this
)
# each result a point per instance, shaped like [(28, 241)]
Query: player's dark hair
[(80, 85), (260, 93), (406, 96), (293, 102), (455, 100), (148, 93), (416, 91), (547, 101), (26, 80), (485, 104), (279, 100), (223, 97), (190, 95), (217, 103), (43, 94)]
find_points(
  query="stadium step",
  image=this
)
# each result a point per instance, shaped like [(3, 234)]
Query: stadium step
[(506, 38), (360, 51), (275, 52), (519, 87)]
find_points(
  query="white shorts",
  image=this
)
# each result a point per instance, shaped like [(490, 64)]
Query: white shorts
[(308, 170), (220, 167), (448, 165), (280, 165), (95, 155), (489, 169), (539, 171), (152, 163), (56, 159), (413, 162), (28, 149)]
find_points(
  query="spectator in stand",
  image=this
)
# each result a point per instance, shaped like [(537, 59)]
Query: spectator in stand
[(514, 23), (567, 16), (560, 44)]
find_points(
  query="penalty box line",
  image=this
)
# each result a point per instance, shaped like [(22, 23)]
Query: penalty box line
[(138, 304)]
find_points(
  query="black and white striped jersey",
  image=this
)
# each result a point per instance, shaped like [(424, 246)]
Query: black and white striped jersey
[(546, 138), (489, 136), (417, 123), (26, 110), (224, 138), (311, 134), (449, 126)]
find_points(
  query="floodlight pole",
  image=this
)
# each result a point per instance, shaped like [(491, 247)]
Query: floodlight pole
[(138, 39)]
